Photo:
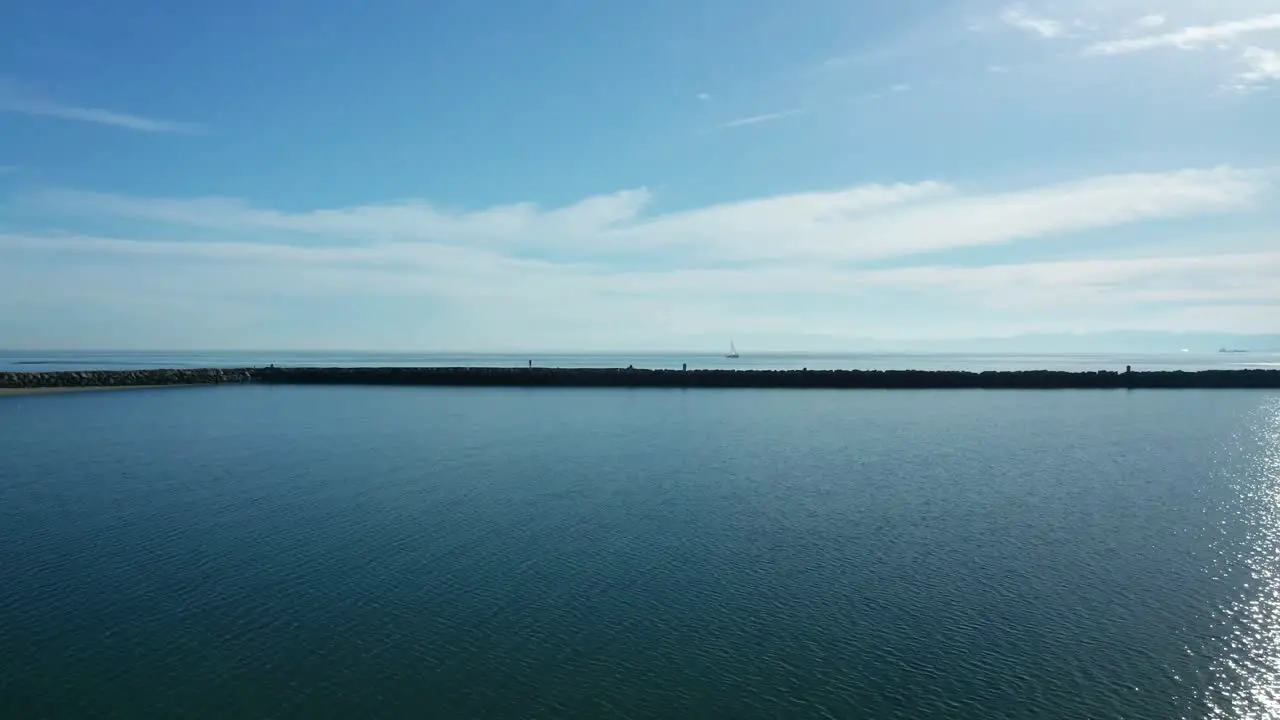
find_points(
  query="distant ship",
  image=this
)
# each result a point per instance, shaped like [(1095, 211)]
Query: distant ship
[(733, 351), (1226, 350)]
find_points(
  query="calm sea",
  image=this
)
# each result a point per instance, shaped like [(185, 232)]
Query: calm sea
[(346, 552), (28, 360)]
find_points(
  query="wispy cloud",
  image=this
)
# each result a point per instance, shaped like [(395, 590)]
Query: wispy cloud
[(1082, 28), (1188, 38), (16, 103), (411, 220), (1018, 16), (857, 223), (1223, 29), (560, 298), (757, 119), (795, 263), (1150, 21), (1261, 66), (1234, 270), (703, 96)]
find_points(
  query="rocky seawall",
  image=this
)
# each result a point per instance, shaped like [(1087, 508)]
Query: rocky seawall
[(900, 379), (120, 378), (639, 378)]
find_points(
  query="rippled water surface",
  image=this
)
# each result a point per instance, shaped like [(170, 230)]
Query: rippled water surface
[(494, 553)]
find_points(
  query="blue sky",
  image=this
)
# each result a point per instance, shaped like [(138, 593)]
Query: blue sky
[(560, 174)]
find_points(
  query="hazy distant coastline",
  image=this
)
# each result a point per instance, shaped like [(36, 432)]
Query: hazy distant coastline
[(752, 358)]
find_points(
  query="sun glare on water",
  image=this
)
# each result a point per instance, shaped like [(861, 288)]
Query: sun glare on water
[(1246, 673)]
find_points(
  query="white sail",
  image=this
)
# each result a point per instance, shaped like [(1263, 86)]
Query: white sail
[(733, 350)]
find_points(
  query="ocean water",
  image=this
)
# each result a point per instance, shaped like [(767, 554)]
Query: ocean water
[(339, 552), (29, 360)]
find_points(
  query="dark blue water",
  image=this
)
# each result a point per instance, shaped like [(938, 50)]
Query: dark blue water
[(274, 552)]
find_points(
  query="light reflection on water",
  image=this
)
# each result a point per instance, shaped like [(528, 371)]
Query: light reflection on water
[(1246, 671)]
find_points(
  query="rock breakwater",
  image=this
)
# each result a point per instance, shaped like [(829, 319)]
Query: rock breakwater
[(639, 378), (120, 378), (865, 379)]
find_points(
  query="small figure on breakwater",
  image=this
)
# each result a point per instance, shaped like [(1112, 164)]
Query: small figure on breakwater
[(1128, 369), (684, 367)]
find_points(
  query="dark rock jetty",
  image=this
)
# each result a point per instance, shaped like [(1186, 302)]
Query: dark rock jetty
[(900, 379), (120, 378), (609, 377)]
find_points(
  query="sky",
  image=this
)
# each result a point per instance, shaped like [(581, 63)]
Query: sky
[(569, 175)]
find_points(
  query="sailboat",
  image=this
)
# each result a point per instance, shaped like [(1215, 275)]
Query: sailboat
[(733, 351)]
